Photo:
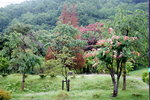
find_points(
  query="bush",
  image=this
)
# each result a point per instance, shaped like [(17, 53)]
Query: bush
[(42, 75), (136, 95), (52, 75), (5, 95), (145, 77), (26, 75), (4, 75)]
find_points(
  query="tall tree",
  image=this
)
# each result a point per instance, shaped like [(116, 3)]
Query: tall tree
[(21, 51), (133, 24), (114, 50)]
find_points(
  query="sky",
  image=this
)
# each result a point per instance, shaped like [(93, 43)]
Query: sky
[(4, 3)]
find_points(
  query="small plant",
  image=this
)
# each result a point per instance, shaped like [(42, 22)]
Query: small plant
[(52, 75), (96, 96), (4, 75), (145, 77), (82, 76), (136, 95), (26, 75), (42, 75), (5, 95)]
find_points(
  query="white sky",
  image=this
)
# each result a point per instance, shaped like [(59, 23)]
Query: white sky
[(4, 3)]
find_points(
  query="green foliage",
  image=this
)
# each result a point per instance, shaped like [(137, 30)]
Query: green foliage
[(129, 67), (145, 77), (21, 49), (4, 20), (106, 58), (63, 43), (101, 68), (44, 14), (134, 24), (4, 64), (64, 36), (19, 28), (5, 95), (51, 67)]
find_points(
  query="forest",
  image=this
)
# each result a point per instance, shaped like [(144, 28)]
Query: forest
[(56, 49)]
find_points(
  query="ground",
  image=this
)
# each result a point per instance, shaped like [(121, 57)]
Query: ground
[(83, 87)]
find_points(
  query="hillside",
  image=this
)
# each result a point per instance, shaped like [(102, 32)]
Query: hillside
[(43, 14)]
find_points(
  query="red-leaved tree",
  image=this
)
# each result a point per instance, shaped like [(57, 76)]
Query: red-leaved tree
[(69, 15)]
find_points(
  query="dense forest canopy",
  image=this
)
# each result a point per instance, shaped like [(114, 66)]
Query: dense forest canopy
[(43, 14)]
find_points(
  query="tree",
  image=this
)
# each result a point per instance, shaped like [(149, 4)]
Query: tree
[(64, 36), (114, 50), (91, 34), (117, 51), (79, 60), (21, 51), (63, 47), (69, 15), (133, 24)]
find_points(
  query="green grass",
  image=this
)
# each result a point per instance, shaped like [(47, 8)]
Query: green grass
[(138, 73), (94, 87)]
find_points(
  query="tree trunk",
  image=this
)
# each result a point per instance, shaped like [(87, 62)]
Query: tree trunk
[(66, 83), (124, 79), (115, 91), (23, 81)]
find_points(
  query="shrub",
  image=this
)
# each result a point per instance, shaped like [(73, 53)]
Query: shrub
[(136, 95), (4, 75), (26, 75), (5, 95), (145, 77), (52, 75), (42, 75)]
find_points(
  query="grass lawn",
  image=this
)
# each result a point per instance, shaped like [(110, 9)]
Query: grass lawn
[(83, 87)]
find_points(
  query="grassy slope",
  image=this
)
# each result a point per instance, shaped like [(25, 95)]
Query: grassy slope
[(94, 87), (138, 73)]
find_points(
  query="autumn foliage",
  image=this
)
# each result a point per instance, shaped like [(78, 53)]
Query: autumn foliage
[(49, 54), (96, 27), (69, 16), (79, 60)]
